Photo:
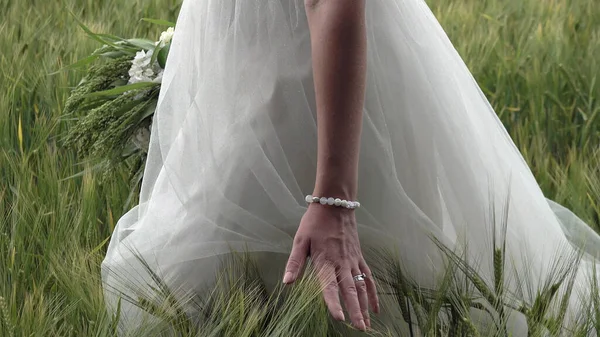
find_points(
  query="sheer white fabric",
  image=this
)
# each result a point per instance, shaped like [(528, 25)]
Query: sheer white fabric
[(234, 139)]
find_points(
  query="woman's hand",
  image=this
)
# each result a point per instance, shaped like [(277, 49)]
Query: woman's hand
[(328, 235)]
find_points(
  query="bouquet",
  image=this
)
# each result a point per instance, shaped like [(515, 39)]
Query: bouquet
[(114, 103)]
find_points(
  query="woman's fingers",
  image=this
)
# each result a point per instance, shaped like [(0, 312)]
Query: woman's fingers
[(371, 288), (363, 297), (328, 281), (350, 296), (296, 260)]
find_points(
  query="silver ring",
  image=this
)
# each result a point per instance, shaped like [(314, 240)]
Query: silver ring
[(360, 277)]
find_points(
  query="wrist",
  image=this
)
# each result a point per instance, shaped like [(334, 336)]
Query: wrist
[(335, 190), (331, 210), (336, 178)]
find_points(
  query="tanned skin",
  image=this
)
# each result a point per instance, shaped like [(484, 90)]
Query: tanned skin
[(327, 233)]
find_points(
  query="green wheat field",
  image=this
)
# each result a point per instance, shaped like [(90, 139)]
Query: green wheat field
[(538, 62)]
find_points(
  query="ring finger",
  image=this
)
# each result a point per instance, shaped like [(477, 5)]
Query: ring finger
[(350, 296), (363, 297)]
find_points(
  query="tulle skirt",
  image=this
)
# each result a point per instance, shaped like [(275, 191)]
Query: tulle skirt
[(233, 152)]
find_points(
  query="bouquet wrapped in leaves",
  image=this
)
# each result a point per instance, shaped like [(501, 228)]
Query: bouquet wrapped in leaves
[(114, 103)]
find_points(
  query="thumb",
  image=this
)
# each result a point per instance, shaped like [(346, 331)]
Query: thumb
[(296, 260)]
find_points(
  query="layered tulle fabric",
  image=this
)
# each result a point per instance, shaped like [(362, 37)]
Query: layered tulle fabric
[(234, 140)]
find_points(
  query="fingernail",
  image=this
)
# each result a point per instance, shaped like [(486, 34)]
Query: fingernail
[(361, 325), (341, 316), (368, 321), (287, 278)]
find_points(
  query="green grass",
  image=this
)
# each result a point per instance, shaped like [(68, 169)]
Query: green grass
[(537, 61)]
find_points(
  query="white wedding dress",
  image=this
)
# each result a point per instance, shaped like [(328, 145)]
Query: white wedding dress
[(233, 153)]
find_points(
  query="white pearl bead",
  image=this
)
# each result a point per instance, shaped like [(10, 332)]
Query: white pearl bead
[(332, 201)]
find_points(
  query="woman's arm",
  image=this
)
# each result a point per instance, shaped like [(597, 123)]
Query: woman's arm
[(338, 40), (328, 234)]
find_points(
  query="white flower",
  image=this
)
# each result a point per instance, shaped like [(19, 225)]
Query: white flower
[(166, 36), (148, 72), (159, 76), (142, 71), (141, 138), (142, 58), (139, 74)]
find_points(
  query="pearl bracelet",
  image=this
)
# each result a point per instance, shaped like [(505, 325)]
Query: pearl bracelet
[(333, 202)]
